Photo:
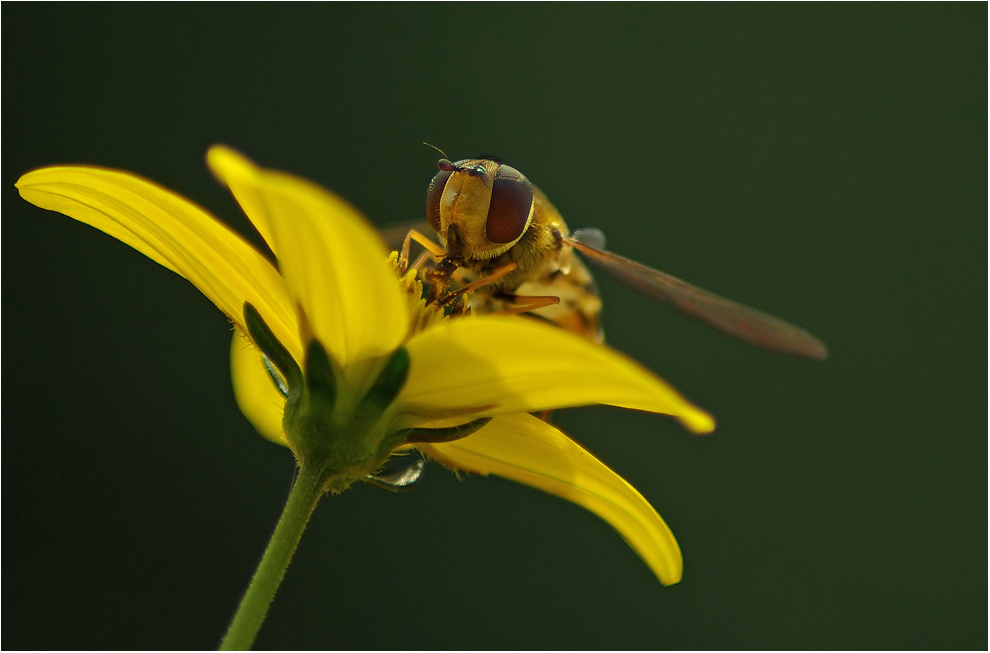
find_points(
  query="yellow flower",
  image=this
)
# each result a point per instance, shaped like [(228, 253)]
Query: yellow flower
[(333, 292)]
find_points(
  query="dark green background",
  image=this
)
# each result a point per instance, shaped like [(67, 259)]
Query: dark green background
[(823, 163)]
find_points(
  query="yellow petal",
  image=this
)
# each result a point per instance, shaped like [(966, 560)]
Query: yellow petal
[(530, 451), (238, 174), (256, 395), (333, 261), (174, 232), (500, 365)]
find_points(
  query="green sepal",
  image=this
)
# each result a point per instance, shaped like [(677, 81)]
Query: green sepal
[(275, 353), (398, 481), (309, 422), (276, 377), (386, 387), (382, 392), (433, 436), (320, 379)]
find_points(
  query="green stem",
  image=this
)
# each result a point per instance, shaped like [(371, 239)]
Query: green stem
[(306, 492)]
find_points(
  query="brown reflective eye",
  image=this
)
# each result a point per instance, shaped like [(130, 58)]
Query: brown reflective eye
[(433, 197), (512, 199)]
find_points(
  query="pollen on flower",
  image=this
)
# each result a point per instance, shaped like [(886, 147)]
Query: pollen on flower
[(423, 313)]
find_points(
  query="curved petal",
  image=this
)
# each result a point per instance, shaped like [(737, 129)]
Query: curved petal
[(530, 451), (256, 395), (174, 232), (333, 261), (500, 365), (237, 173)]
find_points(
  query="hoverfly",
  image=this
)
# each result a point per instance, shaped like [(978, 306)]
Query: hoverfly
[(503, 243)]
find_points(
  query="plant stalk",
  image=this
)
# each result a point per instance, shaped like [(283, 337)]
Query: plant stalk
[(303, 497)]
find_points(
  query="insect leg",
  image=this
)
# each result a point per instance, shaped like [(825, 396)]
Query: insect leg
[(434, 248), (484, 281), (427, 244), (525, 303), (418, 263)]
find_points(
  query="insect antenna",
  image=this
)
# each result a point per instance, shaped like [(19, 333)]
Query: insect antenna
[(437, 149)]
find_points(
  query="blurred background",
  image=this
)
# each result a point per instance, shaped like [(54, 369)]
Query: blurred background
[(825, 164)]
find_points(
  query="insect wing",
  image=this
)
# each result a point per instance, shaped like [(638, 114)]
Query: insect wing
[(738, 321)]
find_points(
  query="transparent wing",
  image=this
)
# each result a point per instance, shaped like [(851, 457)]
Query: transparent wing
[(742, 322)]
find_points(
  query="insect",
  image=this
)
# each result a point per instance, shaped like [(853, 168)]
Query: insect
[(505, 245)]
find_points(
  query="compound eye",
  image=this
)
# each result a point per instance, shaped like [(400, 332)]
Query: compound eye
[(512, 200), (433, 196)]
